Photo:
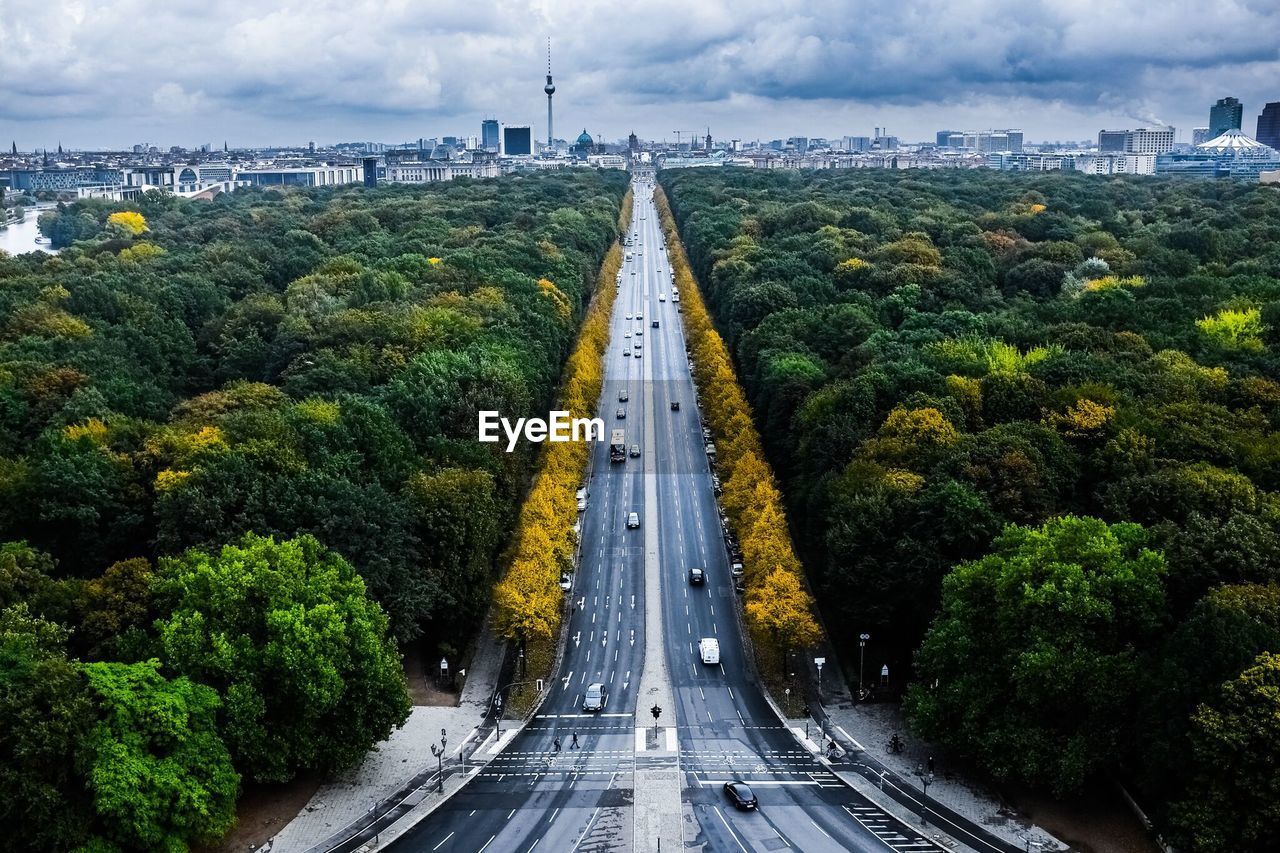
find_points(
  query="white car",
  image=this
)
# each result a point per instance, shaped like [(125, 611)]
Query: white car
[(627, 335), (628, 316), (709, 650), (633, 520)]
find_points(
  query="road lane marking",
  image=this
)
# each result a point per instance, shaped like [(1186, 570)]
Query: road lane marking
[(729, 829), (446, 838)]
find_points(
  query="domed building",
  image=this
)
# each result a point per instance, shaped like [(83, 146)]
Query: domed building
[(1235, 143), (1233, 154), (583, 146)]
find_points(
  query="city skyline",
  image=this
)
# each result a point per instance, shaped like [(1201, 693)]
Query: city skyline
[(380, 72)]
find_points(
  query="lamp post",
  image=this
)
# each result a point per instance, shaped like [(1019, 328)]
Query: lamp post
[(438, 753), (926, 779), (862, 654)]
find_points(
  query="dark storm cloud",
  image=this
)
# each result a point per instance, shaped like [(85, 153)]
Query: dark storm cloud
[(373, 69)]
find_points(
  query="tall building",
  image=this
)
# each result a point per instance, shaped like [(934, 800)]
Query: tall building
[(633, 142), (550, 89), (1226, 114), (517, 140), (1269, 125), (1149, 140), (944, 138), (1111, 141), (1199, 135), (489, 139)]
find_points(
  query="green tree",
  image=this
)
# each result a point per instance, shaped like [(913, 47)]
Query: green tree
[(286, 633), (160, 777), (1235, 747), (45, 716), (1032, 667)]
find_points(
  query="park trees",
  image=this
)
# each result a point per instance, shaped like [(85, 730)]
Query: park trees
[(961, 351), (288, 636), (1033, 664)]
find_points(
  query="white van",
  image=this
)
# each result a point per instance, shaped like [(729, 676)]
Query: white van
[(709, 649)]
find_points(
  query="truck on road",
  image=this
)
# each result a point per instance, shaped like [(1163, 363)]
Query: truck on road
[(618, 446)]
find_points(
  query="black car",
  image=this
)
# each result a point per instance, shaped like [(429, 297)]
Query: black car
[(740, 795), (697, 577), (675, 405)]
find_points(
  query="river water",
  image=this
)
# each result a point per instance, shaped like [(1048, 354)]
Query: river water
[(21, 237)]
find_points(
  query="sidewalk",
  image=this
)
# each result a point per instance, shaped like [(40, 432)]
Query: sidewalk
[(392, 764), (872, 725)]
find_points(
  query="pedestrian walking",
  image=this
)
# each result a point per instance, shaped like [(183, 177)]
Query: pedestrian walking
[(574, 743), (556, 743)]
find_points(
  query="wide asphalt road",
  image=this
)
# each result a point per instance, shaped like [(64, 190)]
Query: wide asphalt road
[(531, 797)]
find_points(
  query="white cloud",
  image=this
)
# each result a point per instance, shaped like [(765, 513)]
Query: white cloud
[(257, 72)]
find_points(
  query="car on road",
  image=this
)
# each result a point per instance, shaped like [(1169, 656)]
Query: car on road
[(736, 570), (633, 520), (640, 331), (709, 650), (628, 316), (582, 504), (595, 698), (621, 413), (623, 396), (639, 317), (697, 576), (626, 334), (742, 797), (662, 297), (635, 451), (638, 355), (654, 324), (626, 353), (637, 345), (675, 405)]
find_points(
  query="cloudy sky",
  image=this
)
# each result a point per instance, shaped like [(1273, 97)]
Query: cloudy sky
[(93, 73)]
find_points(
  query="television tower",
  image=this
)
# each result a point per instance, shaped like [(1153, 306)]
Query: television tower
[(550, 89)]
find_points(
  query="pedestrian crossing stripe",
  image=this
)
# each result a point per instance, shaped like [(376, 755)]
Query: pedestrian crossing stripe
[(882, 825)]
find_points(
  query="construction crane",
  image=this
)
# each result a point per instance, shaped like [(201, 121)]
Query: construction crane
[(691, 133)]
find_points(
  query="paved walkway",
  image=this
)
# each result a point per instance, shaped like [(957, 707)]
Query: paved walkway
[(872, 725), (391, 765)]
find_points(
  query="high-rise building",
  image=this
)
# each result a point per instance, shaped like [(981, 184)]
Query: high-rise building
[(517, 140), (1111, 141), (944, 138), (633, 142), (1199, 134), (1149, 140), (1226, 114), (1269, 125), (489, 139)]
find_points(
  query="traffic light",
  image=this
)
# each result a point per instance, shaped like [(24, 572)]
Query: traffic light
[(656, 710)]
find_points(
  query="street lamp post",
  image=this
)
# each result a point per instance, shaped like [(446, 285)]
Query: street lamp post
[(926, 779), (438, 753), (862, 653)]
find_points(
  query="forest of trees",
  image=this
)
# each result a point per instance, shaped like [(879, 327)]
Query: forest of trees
[(238, 467), (1028, 429)]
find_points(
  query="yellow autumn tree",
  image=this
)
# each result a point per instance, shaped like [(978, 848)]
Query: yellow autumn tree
[(130, 222), (779, 611), (782, 610), (528, 601)]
